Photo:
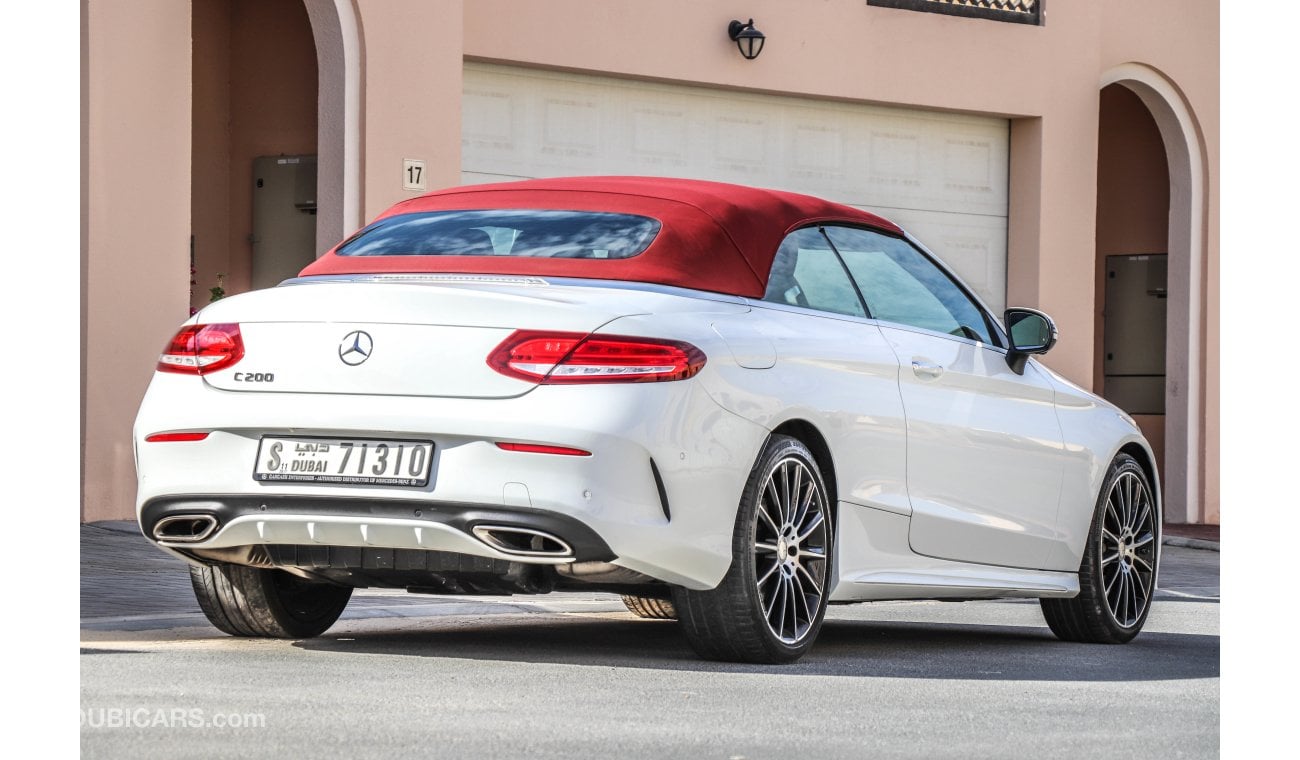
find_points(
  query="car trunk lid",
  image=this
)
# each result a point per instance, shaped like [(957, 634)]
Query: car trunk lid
[(396, 337)]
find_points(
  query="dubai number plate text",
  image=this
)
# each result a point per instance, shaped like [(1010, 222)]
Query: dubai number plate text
[(336, 460)]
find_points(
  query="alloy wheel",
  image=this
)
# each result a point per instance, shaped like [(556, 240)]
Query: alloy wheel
[(790, 549), (1128, 549)]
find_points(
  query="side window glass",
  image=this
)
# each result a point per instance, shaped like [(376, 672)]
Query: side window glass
[(806, 272), (901, 285)]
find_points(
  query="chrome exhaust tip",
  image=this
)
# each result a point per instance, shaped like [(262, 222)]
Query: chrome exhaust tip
[(184, 529), (522, 542)]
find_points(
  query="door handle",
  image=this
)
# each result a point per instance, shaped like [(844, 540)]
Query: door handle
[(926, 369)]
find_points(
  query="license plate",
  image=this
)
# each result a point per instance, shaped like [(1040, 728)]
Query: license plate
[(366, 461)]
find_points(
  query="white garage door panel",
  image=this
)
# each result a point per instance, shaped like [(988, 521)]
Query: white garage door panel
[(943, 176)]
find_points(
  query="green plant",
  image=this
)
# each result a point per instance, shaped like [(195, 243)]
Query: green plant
[(219, 291)]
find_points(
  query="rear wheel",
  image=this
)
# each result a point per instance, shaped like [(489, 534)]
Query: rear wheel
[(770, 605), (1117, 576), (651, 607), (250, 601)]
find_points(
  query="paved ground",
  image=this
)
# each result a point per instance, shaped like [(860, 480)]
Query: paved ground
[(576, 676), (1203, 532)]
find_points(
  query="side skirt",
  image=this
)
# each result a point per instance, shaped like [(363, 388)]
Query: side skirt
[(875, 562)]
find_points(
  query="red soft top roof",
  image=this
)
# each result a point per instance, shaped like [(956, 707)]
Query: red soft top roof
[(715, 236)]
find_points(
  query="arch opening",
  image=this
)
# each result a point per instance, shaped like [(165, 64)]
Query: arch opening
[(337, 34), (1180, 427), (274, 150)]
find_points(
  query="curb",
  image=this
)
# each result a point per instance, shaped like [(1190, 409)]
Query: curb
[(129, 527), (1191, 543)]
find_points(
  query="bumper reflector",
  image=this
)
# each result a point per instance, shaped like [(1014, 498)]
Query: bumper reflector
[(169, 437), (537, 448)]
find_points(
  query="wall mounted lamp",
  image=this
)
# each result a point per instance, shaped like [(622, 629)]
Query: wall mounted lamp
[(748, 39)]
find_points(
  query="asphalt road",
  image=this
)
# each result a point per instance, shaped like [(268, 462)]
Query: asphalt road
[(576, 676)]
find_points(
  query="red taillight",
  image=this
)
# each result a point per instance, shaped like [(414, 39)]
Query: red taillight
[(169, 437), (553, 358), (200, 349), (537, 448)]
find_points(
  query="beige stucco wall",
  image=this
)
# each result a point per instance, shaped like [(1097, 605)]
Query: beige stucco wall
[(136, 222), (412, 88), (210, 130), (1047, 79)]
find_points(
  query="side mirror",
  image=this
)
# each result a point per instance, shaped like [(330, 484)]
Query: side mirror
[(1031, 332)]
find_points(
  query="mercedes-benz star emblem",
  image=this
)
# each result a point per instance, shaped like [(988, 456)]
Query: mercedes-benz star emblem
[(356, 347)]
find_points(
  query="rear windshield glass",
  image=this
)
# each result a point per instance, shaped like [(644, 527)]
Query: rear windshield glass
[(512, 232)]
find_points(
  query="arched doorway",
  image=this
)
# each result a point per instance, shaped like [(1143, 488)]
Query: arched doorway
[(274, 170), (1137, 104), (338, 61)]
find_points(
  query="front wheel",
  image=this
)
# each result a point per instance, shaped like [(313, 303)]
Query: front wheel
[(250, 601), (1117, 576), (770, 605)]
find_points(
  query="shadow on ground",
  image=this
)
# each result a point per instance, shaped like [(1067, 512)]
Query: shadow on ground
[(869, 649)]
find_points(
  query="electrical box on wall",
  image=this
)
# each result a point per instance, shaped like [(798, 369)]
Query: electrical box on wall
[(284, 217), (304, 185), (1134, 332)]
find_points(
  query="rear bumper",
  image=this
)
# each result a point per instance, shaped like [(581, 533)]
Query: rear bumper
[(606, 506), (342, 521)]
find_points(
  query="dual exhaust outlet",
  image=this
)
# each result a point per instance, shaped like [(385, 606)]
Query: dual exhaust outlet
[(507, 539), (184, 529), (522, 542)]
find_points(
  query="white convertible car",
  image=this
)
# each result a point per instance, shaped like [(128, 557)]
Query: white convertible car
[(732, 406)]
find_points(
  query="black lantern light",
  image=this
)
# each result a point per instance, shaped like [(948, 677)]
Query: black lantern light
[(748, 39)]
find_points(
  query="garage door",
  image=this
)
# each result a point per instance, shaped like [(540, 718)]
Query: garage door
[(942, 176)]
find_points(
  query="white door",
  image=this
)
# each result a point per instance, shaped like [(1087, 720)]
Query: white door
[(985, 455), (942, 176), (984, 452)]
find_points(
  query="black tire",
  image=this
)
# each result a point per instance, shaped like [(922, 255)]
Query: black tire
[(250, 601), (739, 621), (1123, 552), (650, 607)]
